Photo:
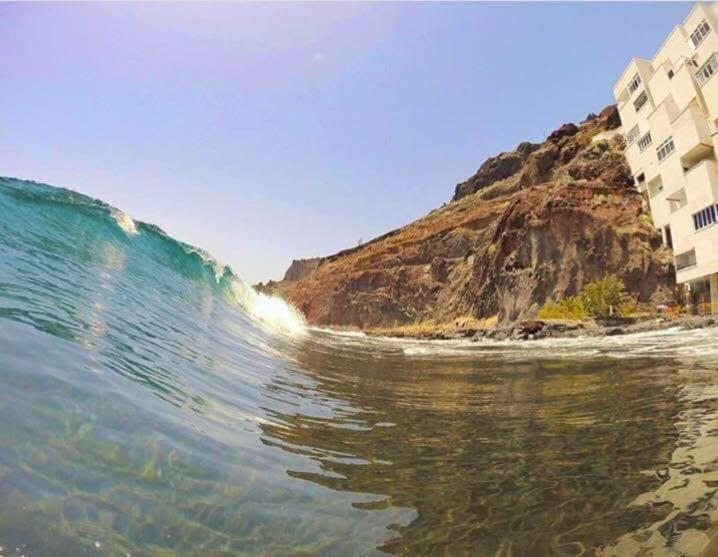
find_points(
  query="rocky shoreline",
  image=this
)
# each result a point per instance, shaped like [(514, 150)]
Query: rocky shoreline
[(554, 328)]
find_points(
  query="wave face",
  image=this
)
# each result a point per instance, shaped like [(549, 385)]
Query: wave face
[(152, 403)]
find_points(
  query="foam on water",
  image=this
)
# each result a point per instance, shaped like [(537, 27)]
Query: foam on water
[(668, 342), (340, 333), (270, 311), (125, 222)]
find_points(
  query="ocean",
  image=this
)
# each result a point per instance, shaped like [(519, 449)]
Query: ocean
[(153, 404)]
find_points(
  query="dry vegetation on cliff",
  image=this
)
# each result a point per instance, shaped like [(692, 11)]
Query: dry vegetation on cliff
[(532, 225)]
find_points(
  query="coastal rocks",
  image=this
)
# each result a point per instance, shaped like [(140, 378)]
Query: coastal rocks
[(529, 226), (531, 327), (529, 330)]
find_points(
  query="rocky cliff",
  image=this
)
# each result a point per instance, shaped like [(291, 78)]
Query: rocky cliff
[(532, 224)]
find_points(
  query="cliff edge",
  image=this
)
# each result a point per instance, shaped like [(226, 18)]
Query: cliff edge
[(531, 225)]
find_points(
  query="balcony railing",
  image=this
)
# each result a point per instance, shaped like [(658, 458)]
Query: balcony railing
[(677, 201)]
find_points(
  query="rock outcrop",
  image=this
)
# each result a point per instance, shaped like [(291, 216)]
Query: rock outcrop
[(530, 225), (300, 268), (494, 169)]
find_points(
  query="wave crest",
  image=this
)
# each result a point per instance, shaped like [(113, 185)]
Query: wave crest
[(125, 222)]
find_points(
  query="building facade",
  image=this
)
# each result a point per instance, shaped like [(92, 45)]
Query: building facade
[(669, 114)]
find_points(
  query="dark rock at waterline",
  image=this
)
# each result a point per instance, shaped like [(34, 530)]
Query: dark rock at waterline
[(531, 327)]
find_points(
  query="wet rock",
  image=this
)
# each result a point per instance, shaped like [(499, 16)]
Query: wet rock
[(531, 327)]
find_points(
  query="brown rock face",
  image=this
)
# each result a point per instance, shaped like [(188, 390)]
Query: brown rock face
[(531, 225), (494, 169), (300, 268)]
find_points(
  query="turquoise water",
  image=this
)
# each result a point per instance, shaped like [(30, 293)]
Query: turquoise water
[(153, 404)]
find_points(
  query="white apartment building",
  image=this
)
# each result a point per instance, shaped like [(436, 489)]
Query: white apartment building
[(669, 114)]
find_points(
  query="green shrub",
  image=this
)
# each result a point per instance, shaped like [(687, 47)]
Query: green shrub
[(568, 308), (605, 297), (627, 309), (601, 298)]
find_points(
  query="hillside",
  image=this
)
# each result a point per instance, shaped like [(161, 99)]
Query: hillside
[(532, 224)]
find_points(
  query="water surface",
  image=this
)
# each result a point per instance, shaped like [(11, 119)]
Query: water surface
[(153, 404)]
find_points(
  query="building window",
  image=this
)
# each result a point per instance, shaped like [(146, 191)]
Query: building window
[(700, 33), (686, 259), (632, 135), (634, 84), (645, 141), (640, 101), (665, 149), (667, 236), (707, 70), (671, 73), (705, 217)]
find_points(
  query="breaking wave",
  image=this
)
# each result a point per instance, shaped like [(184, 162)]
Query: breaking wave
[(268, 311)]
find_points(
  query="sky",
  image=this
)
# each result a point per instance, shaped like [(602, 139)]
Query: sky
[(268, 132)]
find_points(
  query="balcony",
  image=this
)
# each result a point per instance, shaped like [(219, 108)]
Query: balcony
[(677, 201), (692, 136), (702, 181)]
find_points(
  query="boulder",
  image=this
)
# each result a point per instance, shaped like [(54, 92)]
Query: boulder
[(564, 131), (531, 327)]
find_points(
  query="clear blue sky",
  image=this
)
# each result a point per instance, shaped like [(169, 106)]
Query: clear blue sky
[(265, 132)]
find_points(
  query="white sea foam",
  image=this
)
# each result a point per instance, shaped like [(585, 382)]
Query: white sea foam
[(271, 311), (340, 333), (125, 222), (699, 343)]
